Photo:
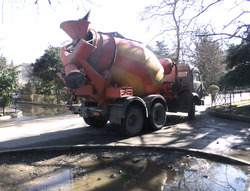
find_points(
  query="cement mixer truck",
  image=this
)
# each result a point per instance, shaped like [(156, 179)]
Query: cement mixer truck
[(121, 81)]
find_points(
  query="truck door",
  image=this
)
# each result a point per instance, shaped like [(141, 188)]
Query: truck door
[(197, 82)]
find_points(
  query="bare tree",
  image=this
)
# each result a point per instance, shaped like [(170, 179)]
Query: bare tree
[(178, 17), (161, 50), (209, 57), (235, 27), (2, 10)]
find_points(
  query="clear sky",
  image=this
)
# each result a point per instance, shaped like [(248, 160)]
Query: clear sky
[(26, 29)]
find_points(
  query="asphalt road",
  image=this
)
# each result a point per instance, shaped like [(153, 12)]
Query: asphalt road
[(205, 132)]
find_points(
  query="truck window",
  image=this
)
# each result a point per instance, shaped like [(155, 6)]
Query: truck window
[(197, 76), (182, 74)]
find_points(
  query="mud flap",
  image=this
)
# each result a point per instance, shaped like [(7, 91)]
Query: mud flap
[(116, 114)]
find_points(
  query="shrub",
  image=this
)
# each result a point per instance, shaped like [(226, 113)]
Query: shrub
[(213, 89)]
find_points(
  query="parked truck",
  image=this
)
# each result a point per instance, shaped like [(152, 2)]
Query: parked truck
[(121, 81)]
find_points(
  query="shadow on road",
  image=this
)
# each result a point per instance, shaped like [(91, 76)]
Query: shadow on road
[(204, 132)]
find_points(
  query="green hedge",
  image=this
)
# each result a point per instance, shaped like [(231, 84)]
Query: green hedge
[(38, 98)]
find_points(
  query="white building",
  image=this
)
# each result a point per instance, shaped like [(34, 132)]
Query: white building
[(24, 74)]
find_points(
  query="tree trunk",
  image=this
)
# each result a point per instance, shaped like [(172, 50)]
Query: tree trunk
[(3, 110), (177, 25)]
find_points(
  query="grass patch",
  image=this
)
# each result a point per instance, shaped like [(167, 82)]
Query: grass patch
[(244, 110), (241, 103), (237, 108)]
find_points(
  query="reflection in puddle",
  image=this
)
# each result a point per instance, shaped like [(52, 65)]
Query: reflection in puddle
[(31, 110), (209, 176), (189, 173)]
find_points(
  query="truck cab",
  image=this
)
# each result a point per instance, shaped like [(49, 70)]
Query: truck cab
[(197, 84), (186, 86)]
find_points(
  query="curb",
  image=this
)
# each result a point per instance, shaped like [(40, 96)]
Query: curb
[(14, 115), (42, 104), (198, 153), (228, 116)]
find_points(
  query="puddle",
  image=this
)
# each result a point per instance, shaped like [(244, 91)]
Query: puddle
[(30, 110), (119, 169), (137, 174)]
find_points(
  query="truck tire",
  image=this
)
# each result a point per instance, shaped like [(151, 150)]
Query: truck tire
[(157, 117), (96, 122), (133, 122), (191, 112)]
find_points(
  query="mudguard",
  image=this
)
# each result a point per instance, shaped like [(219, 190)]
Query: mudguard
[(118, 111), (197, 99), (151, 99)]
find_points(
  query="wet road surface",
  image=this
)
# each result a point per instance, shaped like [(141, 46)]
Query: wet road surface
[(206, 132)]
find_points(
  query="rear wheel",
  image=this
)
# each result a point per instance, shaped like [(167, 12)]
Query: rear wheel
[(133, 122), (96, 121), (158, 117)]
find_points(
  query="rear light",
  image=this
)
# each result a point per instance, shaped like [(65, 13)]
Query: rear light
[(96, 113)]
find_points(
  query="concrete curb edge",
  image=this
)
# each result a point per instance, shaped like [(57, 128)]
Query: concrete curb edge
[(18, 113), (228, 116), (211, 155)]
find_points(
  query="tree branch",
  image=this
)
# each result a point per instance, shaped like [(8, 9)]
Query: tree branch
[(36, 2), (204, 10), (2, 10), (230, 36), (235, 19)]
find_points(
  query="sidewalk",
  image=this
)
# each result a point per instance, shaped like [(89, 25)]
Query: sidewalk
[(11, 113)]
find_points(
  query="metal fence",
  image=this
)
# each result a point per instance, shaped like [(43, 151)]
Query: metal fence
[(230, 97)]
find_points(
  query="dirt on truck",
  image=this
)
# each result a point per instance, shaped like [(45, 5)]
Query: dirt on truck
[(121, 81)]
